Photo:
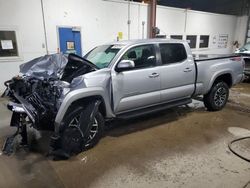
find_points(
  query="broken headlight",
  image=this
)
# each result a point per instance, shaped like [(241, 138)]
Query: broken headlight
[(77, 81)]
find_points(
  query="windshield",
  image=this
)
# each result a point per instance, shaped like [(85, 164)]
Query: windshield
[(246, 47), (101, 56)]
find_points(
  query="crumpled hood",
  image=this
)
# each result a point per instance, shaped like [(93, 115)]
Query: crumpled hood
[(57, 66), (48, 66)]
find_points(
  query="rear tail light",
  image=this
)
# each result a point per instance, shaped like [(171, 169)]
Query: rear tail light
[(238, 58)]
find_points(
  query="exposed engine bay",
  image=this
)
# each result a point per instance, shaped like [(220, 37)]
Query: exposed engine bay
[(36, 95), (39, 98)]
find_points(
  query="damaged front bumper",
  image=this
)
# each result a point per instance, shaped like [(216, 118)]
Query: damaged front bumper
[(23, 114), (19, 121), (15, 107), (24, 107)]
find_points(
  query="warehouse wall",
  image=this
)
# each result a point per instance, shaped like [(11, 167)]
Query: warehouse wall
[(27, 21), (241, 29), (202, 23), (100, 22)]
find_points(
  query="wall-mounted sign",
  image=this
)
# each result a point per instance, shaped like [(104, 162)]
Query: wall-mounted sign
[(70, 45), (120, 35), (214, 40), (7, 45), (222, 40)]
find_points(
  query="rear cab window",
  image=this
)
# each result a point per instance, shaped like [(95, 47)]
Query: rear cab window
[(172, 53)]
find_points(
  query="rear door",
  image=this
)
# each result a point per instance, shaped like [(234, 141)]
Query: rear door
[(177, 72), (140, 86)]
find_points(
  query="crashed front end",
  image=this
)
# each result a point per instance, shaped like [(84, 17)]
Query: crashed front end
[(38, 99), (35, 97)]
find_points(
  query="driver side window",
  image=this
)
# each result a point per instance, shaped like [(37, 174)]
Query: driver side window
[(143, 56)]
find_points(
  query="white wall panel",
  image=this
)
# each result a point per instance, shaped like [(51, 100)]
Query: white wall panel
[(170, 20), (27, 20), (200, 23), (241, 29)]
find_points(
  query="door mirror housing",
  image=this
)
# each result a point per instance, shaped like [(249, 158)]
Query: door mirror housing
[(125, 65)]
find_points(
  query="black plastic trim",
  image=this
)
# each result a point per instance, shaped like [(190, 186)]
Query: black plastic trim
[(222, 57), (152, 109)]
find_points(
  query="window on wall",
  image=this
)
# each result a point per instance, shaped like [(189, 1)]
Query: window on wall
[(204, 41), (8, 44), (179, 37), (191, 39), (172, 53)]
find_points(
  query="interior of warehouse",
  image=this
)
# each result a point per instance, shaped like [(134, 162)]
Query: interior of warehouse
[(36, 28), (163, 85)]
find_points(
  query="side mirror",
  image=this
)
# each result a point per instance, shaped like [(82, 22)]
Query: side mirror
[(125, 65)]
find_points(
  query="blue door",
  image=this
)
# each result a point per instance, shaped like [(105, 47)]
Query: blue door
[(70, 41)]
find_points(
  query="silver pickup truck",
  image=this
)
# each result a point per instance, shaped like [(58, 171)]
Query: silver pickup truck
[(74, 96)]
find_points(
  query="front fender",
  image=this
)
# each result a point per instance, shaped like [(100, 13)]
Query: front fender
[(80, 94)]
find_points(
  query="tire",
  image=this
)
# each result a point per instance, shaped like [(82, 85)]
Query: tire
[(75, 139), (246, 78), (217, 97)]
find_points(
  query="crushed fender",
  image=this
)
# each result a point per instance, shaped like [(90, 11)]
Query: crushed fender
[(70, 140)]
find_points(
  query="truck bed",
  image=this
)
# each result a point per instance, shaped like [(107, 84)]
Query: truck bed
[(209, 66), (205, 57)]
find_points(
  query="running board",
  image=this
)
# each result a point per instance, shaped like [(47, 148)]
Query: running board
[(152, 109)]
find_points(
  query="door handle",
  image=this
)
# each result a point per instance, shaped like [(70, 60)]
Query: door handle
[(154, 75), (187, 69)]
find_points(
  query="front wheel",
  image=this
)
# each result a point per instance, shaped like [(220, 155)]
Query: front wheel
[(78, 133), (217, 97)]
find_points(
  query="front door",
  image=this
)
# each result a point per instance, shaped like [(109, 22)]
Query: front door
[(70, 40), (140, 86)]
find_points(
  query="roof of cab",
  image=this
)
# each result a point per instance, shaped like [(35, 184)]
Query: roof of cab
[(143, 41)]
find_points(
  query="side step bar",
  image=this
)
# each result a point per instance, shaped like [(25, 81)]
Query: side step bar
[(152, 109)]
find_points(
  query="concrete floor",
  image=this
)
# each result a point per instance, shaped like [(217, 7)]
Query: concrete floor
[(181, 147)]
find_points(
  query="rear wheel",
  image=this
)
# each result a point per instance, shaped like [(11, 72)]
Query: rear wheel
[(217, 97), (77, 134)]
